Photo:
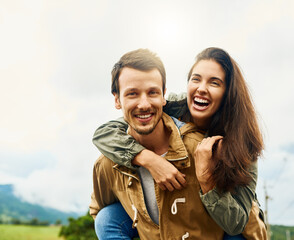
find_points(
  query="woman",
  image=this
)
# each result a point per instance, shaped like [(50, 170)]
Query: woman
[(218, 102)]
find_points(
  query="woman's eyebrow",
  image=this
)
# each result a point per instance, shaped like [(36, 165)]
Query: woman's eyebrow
[(216, 78), (213, 78)]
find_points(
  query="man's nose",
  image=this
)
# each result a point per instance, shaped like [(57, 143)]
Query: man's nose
[(144, 102)]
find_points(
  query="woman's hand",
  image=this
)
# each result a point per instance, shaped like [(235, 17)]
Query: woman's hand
[(202, 157), (165, 174)]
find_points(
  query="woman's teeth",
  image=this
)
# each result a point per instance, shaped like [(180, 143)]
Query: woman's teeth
[(201, 101)]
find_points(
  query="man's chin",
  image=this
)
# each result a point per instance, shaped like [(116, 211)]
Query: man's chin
[(144, 131)]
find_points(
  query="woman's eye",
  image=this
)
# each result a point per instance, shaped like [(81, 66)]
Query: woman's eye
[(215, 83)]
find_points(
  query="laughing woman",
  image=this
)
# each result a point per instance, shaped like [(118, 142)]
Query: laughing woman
[(219, 104)]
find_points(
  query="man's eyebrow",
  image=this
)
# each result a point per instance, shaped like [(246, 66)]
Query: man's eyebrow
[(155, 88), (196, 74), (130, 89)]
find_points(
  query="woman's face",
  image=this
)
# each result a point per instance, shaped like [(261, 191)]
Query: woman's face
[(206, 88)]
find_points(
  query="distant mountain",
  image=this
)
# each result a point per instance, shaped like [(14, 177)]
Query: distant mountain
[(12, 207)]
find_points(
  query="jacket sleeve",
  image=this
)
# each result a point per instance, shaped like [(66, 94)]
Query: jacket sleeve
[(231, 211), (176, 106), (102, 194), (112, 141)]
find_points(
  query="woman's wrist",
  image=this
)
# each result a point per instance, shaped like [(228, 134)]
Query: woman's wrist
[(143, 158)]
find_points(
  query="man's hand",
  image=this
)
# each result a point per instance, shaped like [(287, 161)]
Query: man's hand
[(166, 175), (202, 157)]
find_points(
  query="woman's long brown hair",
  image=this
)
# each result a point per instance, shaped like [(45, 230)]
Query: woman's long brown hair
[(236, 121)]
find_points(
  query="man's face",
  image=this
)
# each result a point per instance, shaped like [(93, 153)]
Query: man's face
[(141, 99)]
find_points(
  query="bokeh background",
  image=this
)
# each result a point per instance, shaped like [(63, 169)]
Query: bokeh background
[(55, 63)]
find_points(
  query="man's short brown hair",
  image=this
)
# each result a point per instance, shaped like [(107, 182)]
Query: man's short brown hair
[(141, 59)]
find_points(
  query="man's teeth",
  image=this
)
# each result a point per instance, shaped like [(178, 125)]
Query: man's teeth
[(200, 100), (144, 116)]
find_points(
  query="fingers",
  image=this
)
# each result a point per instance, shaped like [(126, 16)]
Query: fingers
[(162, 186), (166, 175), (219, 148), (209, 141), (220, 142), (176, 185), (169, 186), (178, 182), (181, 179)]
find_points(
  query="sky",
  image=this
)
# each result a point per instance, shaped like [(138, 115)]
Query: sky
[(55, 62)]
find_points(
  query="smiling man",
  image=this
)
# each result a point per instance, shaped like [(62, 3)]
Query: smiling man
[(138, 86), (141, 99)]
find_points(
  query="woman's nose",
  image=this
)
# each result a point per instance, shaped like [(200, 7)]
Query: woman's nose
[(202, 87)]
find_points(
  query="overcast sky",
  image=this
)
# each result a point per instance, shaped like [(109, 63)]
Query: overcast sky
[(55, 63)]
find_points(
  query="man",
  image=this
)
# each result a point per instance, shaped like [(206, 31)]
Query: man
[(139, 87)]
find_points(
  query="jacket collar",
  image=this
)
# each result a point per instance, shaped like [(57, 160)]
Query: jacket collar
[(177, 152)]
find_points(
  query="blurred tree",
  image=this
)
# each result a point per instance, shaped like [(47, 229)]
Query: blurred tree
[(34, 222), (15, 221), (58, 222), (81, 228)]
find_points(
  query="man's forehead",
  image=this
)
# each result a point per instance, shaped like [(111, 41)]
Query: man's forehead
[(134, 71), (133, 78)]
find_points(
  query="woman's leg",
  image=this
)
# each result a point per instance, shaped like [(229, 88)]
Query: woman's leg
[(237, 237), (112, 222)]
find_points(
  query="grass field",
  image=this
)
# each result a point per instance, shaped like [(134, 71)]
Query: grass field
[(21, 232)]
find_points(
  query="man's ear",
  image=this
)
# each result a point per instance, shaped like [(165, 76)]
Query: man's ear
[(164, 100), (117, 101)]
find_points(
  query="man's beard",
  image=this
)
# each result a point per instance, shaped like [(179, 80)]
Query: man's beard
[(148, 131)]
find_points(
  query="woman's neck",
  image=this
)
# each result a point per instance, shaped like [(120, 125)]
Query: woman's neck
[(202, 125)]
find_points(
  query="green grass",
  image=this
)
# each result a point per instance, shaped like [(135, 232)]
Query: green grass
[(21, 232)]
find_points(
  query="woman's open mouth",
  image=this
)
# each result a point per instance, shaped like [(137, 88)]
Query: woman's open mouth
[(200, 103)]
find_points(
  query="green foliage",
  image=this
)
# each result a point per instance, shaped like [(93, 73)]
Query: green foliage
[(15, 221), (32, 222), (36, 222), (81, 228), (278, 232), (58, 222)]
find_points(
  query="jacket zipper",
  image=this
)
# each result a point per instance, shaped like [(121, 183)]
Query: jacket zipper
[(177, 159)]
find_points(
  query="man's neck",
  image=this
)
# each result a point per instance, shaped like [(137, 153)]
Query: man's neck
[(157, 141)]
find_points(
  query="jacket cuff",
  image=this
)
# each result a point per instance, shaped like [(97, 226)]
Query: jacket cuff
[(210, 198), (131, 154)]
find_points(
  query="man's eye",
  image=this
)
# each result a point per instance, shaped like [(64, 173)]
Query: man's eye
[(131, 94), (195, 79)]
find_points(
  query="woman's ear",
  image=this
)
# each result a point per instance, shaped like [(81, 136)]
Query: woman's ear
[(117, 101)]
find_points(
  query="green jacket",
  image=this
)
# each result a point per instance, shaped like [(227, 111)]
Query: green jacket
[(230, 211)]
